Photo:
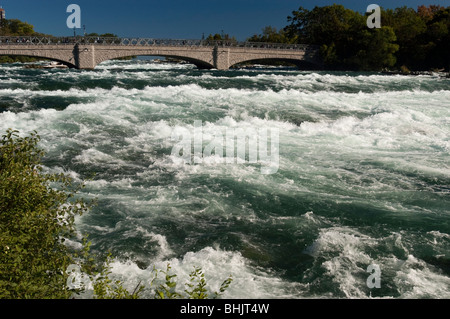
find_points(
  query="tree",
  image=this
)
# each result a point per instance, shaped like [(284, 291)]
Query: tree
[(219, 37), (422, 36), (344, 39), (437, 39), (271, 35), (15, 27), (409, 28), (297, 29), (427, 13), (377, 50), (109, 35), (104, 35)]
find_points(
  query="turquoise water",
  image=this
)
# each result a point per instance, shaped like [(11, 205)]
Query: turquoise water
[(363, 176)]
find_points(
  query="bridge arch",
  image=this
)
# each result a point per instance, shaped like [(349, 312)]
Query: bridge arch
[(51, 58), (307, 60), (300, 64), (203, 60), (64, 54), (198, 63)]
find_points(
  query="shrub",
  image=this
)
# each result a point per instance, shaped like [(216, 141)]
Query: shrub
[(35, 219)]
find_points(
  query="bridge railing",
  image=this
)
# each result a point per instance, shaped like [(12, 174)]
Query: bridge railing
[(36, 40)]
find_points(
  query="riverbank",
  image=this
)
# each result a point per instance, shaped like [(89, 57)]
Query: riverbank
[(406, 71)]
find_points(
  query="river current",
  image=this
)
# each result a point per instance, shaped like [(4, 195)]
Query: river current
[(362, 178)]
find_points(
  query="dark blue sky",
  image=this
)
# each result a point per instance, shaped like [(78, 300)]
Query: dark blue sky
[(180, 19)]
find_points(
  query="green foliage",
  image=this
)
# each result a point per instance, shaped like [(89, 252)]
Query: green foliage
[(15, 27), (328, 54), (35, 219), (379, 49), (106, 288), (196, 291), (416, 39), (104, 35), (166, 290), (408, 27), (221, 37), (271, 35), (21, 59), (165, 282), (195, 288), (92, 272), (344, 39)]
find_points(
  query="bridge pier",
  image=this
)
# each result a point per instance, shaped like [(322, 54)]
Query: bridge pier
[(221, 58), (84, 56)]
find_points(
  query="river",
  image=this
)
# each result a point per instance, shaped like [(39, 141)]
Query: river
[(362, 174)]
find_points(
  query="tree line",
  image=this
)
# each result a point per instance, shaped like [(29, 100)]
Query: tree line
[(408, 39)]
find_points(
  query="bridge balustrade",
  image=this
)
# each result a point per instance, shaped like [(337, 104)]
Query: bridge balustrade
[(36, 40)]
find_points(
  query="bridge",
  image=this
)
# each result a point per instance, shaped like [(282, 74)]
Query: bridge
[(88, 52)]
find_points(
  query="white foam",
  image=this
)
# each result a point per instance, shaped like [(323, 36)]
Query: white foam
[(142, 64), (248, 282), (343, 253), (416, 279)]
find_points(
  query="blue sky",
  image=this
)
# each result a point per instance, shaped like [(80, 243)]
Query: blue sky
[(179, 19)]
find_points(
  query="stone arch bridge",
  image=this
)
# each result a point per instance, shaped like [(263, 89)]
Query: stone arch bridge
[(88, 52)]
